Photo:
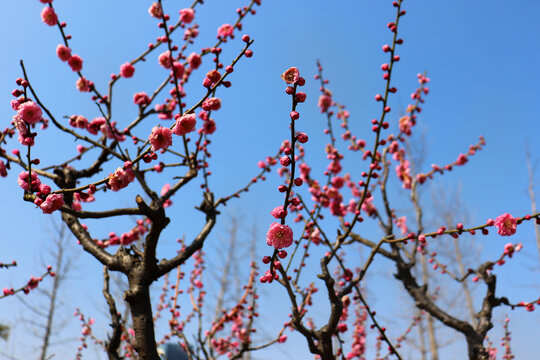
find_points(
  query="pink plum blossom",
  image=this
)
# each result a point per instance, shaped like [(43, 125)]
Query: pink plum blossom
[(405, 125), (213, 76), (368, 207), (325, 100), (211, 104), (421, 178), (76, 205), (185, 124), (78, 121), (84, 197), (279, 236), (30, 112), (187, 15), (163, 191), (208, 128), (160, 138), (86, 330), (279, 212), (121, 178), (164, 59), (403, 172), (194, 61), (127, 70), (316, 236), (337, 208), (22, 180), (44, 189), (401, 223), (291, 75), (110, 131), (225, 30), (15, 104), (52, 203), (83, 85), (178, 69), (63, 52), (155, 10), (75, 62), (334, 167), (141, 99), (191, 33), (461, 160), (33, 282), (48, 16), (509, 249), (94, 125), (338, 182), (25, 137), (506, 224)]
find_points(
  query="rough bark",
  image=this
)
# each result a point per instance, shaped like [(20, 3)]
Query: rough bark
[(138, 298)]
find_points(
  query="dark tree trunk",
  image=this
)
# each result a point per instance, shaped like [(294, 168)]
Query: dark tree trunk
[(140, 306), (476, 349)]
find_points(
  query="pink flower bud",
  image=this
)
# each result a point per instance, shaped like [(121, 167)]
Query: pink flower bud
[(301, 97), (302, 138), (285, 161)]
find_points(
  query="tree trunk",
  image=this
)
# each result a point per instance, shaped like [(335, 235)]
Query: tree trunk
[(475, 348), (140, 306)]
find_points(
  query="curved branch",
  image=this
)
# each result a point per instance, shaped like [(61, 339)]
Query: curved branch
[(100, 214), (88, 243)]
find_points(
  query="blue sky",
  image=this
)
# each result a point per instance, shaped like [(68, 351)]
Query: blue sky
[(479, 55)]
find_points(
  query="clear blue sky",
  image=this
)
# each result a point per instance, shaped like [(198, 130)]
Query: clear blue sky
[(481, 57)]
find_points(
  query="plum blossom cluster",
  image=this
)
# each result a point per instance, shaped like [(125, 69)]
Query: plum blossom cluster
[(64, 53), (46, 201), (30, 285), (96, 126), (462, 159), (359, 336), (86, 331), (330, 194), (226, 31), (126, 238), (280, 235), (28, 115), (52, 203), (74, 61), (240, 319), (230, 331), (77, 191), (83, 197)]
